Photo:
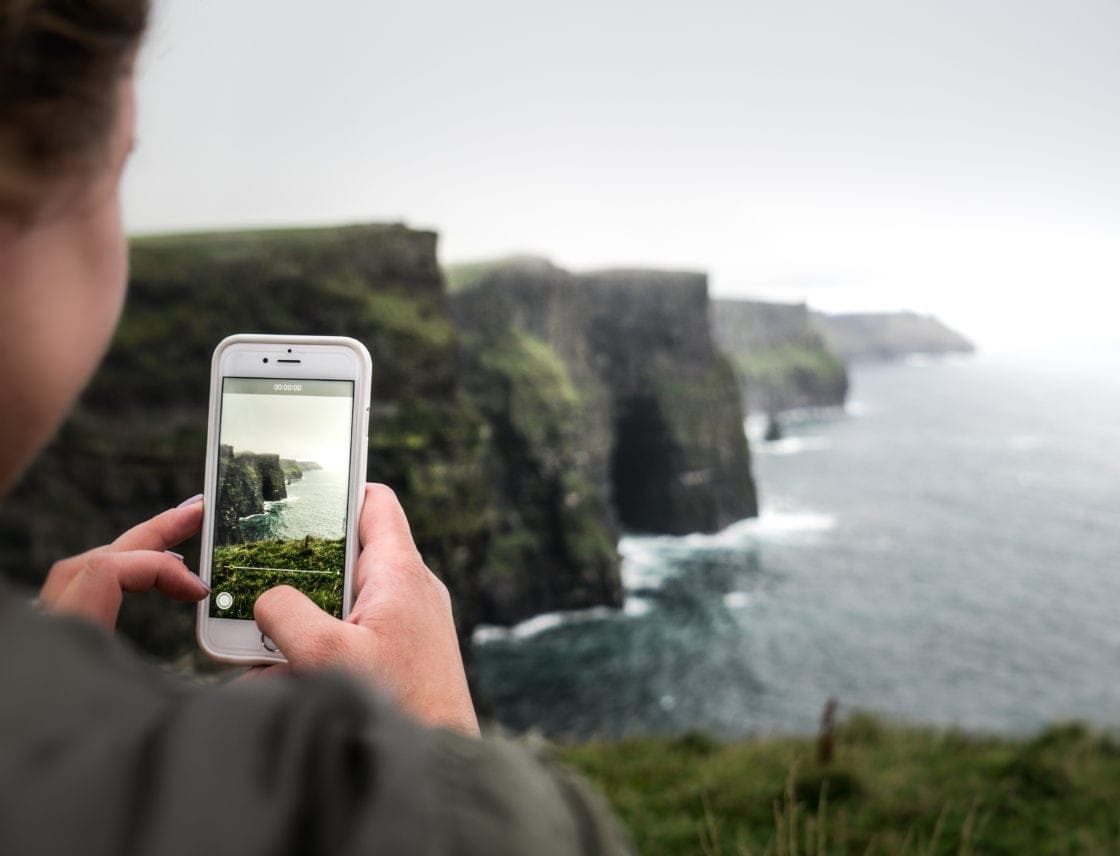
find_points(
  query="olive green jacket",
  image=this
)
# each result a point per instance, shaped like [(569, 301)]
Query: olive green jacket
[(102, 753)]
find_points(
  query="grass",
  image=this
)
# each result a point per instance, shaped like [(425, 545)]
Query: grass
[(889, 789), (234, 572)]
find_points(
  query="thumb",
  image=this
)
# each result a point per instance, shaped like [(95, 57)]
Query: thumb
[(306, 635)]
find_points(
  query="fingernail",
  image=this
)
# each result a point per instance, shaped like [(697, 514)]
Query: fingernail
[(178, 556), (196, 498), (202, 583)]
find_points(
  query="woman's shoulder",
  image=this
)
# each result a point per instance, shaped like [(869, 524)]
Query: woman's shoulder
[(102, 752)]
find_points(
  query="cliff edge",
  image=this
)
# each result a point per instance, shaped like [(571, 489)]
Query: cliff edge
[(655, 404), (889, 335), (781, 359)]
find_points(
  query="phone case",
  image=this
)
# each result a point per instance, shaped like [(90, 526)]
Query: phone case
[(357, 474)]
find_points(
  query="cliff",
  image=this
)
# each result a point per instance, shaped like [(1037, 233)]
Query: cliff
[(781, 359), (889, 335), (135, 444), (655, 405), (247, 482)]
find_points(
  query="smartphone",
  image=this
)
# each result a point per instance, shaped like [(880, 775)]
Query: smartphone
[(285, 478)]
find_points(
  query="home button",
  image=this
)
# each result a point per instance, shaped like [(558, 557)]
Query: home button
[(269, 645)]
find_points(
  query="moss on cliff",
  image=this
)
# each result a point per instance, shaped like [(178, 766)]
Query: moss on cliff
[(657, 407), (793, 375), (553, 542), (782, 360)]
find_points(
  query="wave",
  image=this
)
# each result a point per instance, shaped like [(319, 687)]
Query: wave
[(487, 633), (737, 599), (636, 607), (782, 525), (648, 561), (779, 524), (792, 446)]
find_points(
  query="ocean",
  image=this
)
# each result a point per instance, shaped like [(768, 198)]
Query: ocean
[(315, 505), (945, 551)]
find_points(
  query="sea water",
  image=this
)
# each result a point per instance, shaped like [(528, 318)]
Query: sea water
[(946, 550), (315, 505)]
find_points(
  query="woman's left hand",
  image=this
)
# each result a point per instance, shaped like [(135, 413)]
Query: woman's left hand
[(92, 584)]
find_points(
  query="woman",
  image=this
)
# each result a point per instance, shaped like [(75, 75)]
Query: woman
[(368, 742)]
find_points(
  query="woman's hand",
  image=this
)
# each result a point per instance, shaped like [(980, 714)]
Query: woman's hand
[(400, 636), (92, 584)]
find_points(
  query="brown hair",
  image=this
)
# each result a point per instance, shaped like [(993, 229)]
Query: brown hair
[(60, 61)]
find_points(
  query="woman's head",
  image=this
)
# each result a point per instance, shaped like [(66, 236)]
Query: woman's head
[(66, 127), (60, 61)]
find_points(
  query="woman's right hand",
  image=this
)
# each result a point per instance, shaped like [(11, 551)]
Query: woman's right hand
[(400, 637)]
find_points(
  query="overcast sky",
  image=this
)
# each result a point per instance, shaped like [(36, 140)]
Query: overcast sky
[(951, 157), (299, 427)]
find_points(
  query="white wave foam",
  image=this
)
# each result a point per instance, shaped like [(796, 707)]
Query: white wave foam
[(643, 565), (736, 599), (538, 624), (649, 549), (647, 561), (786, 524), (792, 446), (635, 607)]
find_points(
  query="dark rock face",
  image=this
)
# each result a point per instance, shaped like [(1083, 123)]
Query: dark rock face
[(889, 335), (781, 359), (246, 482), (656, 406), (554, 544), (135, 445)]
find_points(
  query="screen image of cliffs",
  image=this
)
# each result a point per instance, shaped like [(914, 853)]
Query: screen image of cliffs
[(282, 488)]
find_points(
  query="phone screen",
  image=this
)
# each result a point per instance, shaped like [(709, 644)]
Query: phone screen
[(282, 490)]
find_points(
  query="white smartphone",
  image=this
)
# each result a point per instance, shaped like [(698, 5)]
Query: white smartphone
[(285, 478)]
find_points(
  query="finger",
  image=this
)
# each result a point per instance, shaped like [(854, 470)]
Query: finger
[(96, 589), (384, 533), (143, 570), (306, 635), (59, 577), (162, 531)]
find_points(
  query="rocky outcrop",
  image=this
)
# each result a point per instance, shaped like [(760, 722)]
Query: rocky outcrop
[(781, 359), (655, 406), (246, 482), (292, 470), (889, 335), (136, 443)]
